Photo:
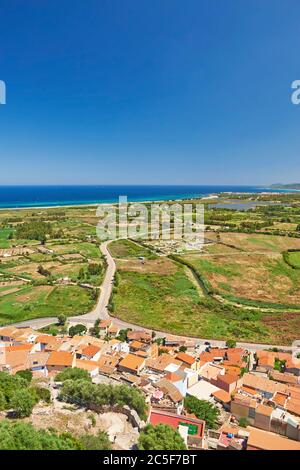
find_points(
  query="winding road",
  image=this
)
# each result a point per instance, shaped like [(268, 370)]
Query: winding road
[(101, 312)]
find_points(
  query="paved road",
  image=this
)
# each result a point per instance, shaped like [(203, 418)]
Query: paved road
[(101, 312)]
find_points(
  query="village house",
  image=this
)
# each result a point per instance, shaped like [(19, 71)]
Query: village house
[(132, 363), (191, 429), (227, 382), (59, 361)]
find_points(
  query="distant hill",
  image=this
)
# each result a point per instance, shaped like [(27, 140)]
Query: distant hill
[(285, 186)]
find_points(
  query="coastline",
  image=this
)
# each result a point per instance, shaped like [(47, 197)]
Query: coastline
[(214, 193)]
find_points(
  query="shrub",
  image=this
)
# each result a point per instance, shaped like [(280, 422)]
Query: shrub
[(23, 402), (203, 410), (77, 330), (25, 374), (73, 374), (160, 437), (98, 442)]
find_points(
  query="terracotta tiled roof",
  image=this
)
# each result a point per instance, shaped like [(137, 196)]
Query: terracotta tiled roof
[(284, 378), (132, 362), (293, 406), (90, 350), (269, 441), (264, 410), (186, 358), (86, 365), (169, 389), (261, 383), (60, 358), (228, 378), (19, 347), (279, 398), (222, 396)]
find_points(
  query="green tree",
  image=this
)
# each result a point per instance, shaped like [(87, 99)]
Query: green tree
[(86, 394), (73, 374), (23, 436), (77, 330), (94, 269), (9, 384), (203, 409), (43, 394), (81, 274), (23, 402), (62, 319), (98, 442), (25, 374), (243, 422), (122, 336), (2, 401), (43, 272), (160, 437), (230, 343)]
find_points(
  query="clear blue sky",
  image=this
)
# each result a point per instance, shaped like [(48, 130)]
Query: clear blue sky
[(149, 91)]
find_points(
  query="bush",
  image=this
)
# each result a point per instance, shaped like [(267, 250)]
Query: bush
[(94, 269), (160, 437), (77, 330), (230, 343), (98, 442), (2, 401), (87, 394), (62, 319), (243, 422), (43, 394), (73, 374), (23, 402), (9, 384), (25, 374), (203, 410), (23, 436)]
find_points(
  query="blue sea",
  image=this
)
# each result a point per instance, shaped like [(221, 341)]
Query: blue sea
[(50, 196)]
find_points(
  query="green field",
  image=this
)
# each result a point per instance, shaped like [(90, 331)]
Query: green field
[(294, 259), (72, 247), (44, 301), (172, 303)]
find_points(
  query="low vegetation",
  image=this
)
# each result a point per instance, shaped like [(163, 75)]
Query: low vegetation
[(160, 437), (83, 393)]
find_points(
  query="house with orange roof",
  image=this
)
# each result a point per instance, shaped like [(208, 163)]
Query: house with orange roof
[(192, 429), (90, 366), (227, 382), (107, 364), (264, 440), (132, 363), (59, 361), (48, 343), (142, 336), (283, 377), (222, 397), (113, 330), (263, 416), (188, 361), (90, 352), (267, 358), (160, 363), (103, 327), (264, 386), (19, 347), (6, 333), (149, 349), (37, 363), (15, 360), (210, 371)]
